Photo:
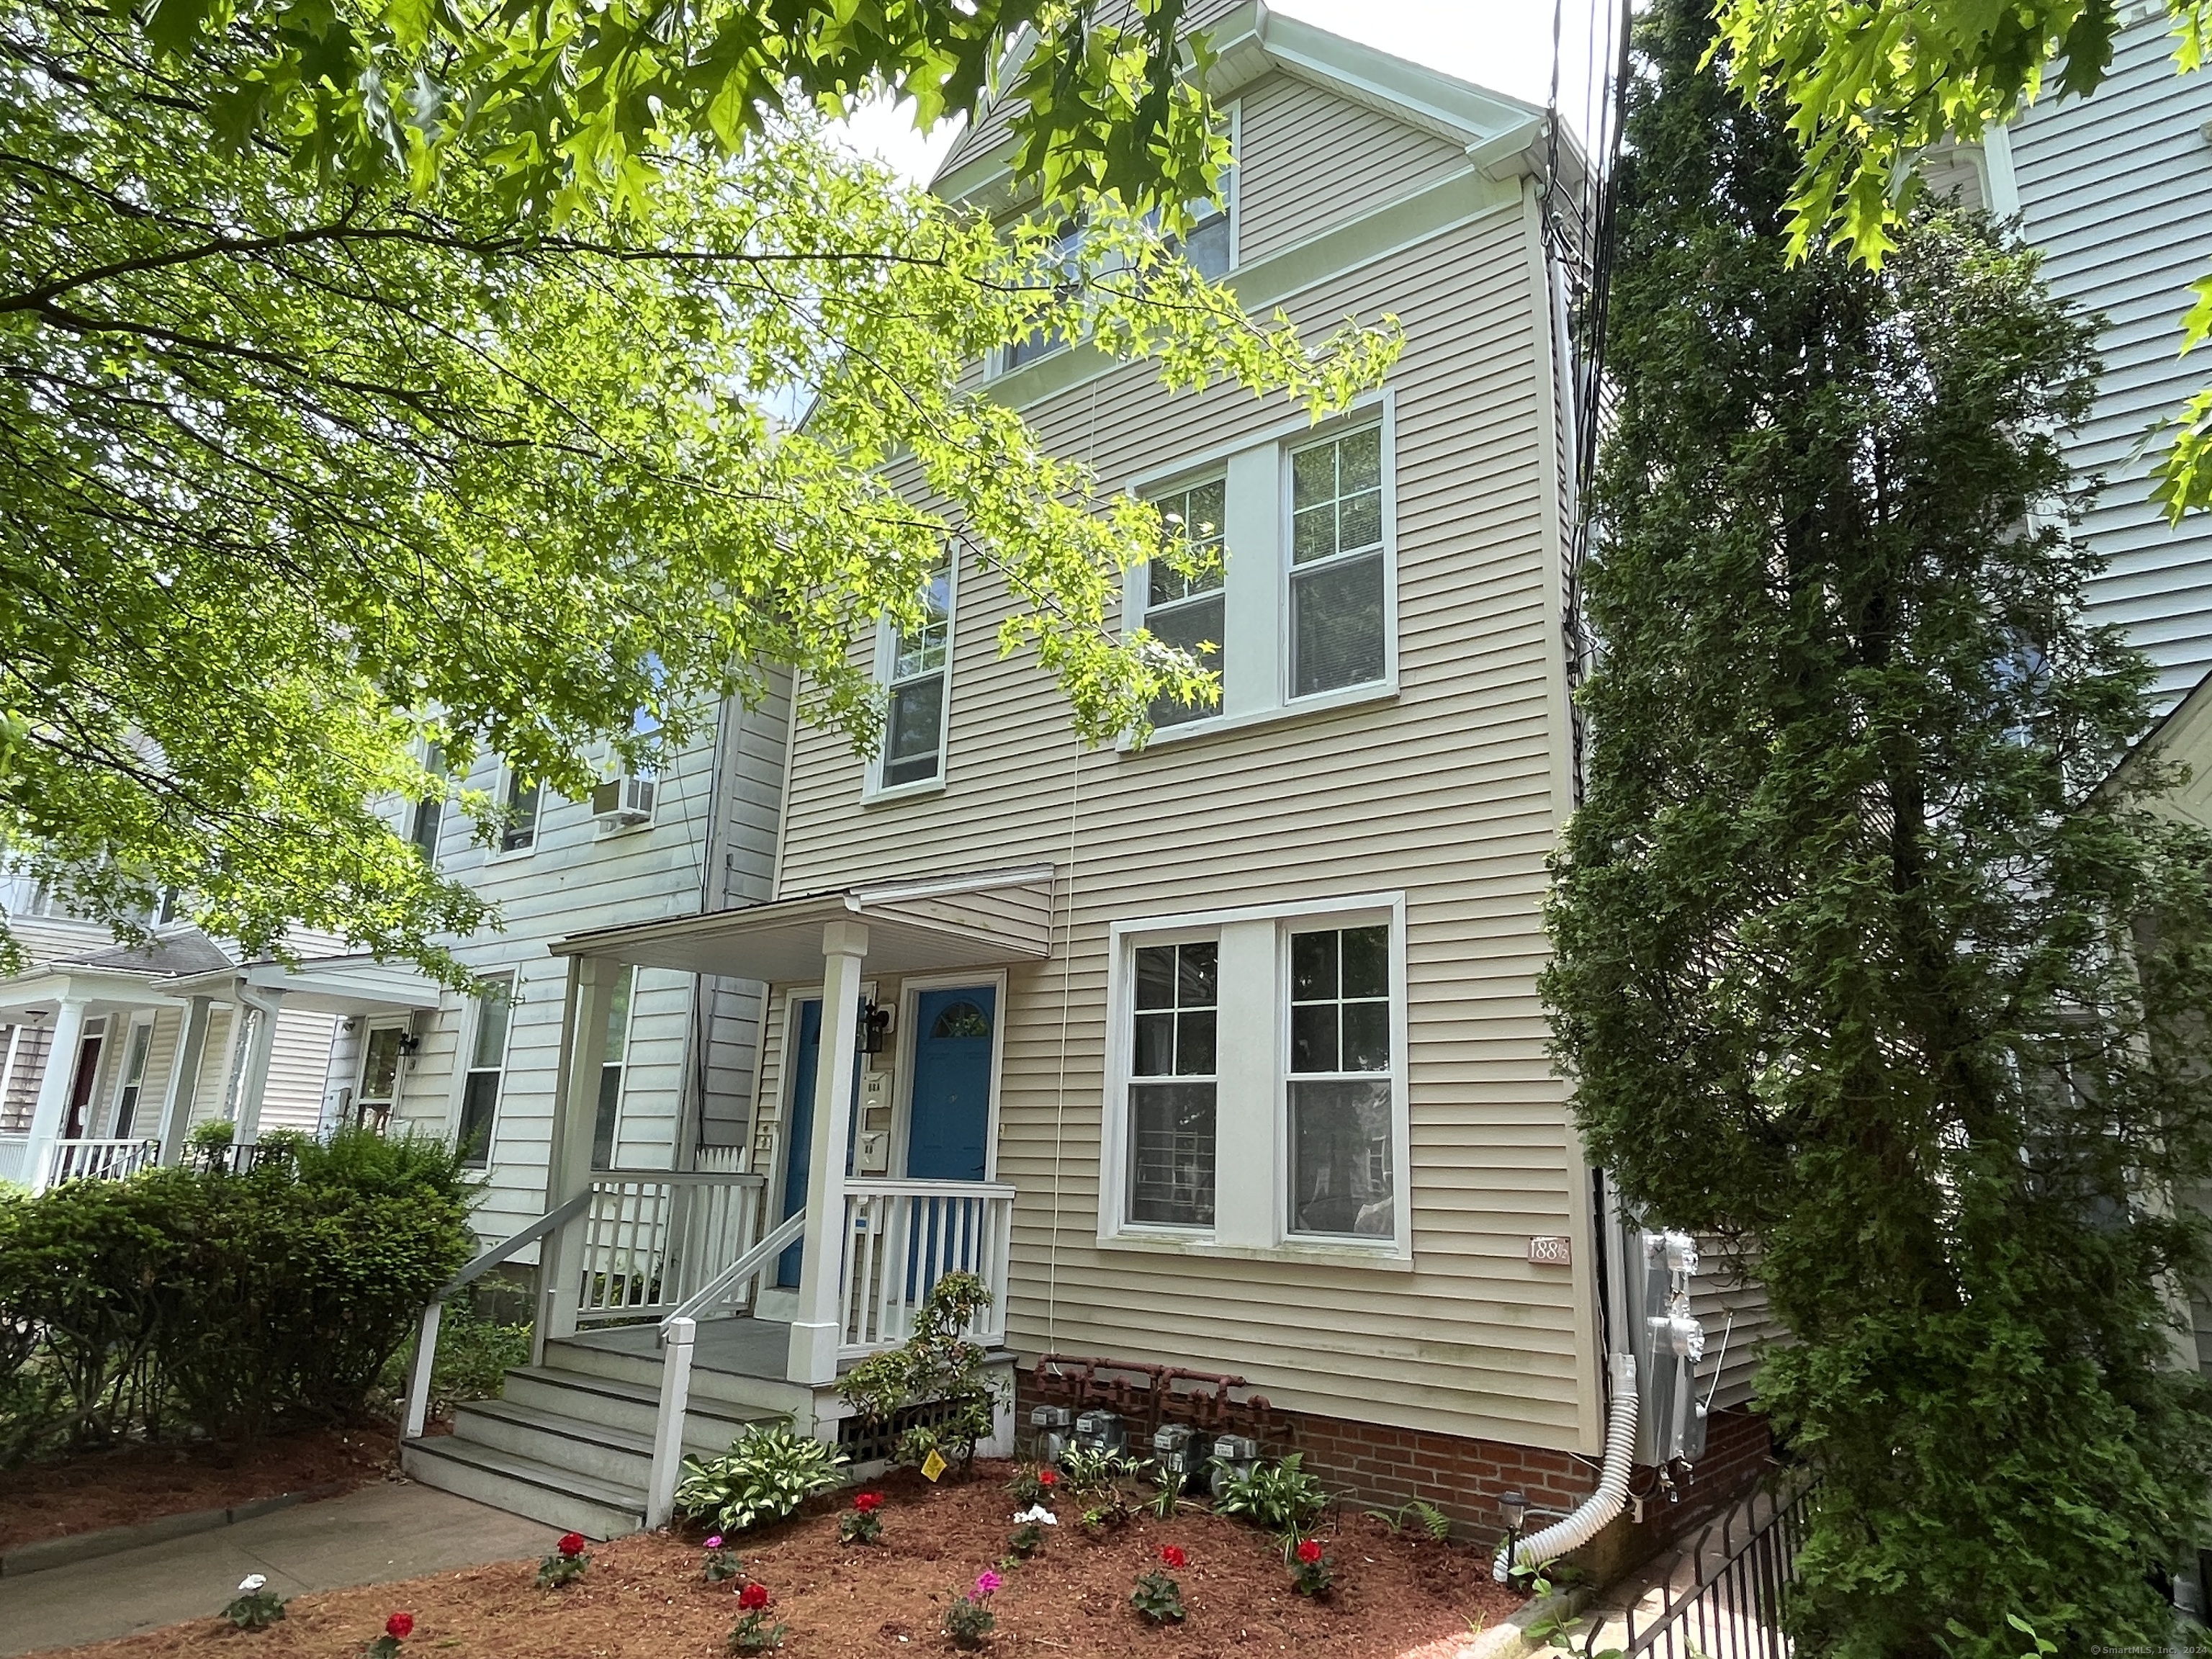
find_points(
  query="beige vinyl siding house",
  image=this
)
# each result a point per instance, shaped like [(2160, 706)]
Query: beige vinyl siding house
[(1426, 799)]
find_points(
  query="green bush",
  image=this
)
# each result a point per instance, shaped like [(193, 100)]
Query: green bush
[(230, 1304), (474, 1357), (1280, 1497), (768, 1472), (935, 1366)]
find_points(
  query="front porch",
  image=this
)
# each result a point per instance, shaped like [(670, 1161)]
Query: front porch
[(675, 1305)]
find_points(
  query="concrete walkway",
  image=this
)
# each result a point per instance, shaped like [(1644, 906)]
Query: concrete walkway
[(376, 1536)]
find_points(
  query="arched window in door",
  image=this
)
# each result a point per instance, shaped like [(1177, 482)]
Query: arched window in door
[(961, 1020)]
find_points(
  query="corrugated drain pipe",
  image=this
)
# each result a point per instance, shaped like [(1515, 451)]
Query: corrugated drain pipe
[(1539, 1549)]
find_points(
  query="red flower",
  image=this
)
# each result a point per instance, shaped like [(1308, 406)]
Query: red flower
[(868, 1502), (572, 1543), (753, 1597), (1048, 1477), (1173, 1555), (399, 1626), (1310, 1550)]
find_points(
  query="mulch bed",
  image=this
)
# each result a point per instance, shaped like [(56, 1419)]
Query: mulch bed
[(643, 1597), (118, 1488)]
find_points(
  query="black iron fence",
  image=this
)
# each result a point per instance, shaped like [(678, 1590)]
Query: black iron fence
[(1731, 1608)]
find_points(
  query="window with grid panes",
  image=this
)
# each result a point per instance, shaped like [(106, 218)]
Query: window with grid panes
[(486, 1061), (1337, 633), (1171, 1084), (1183, 608), (1341, 1085), (913, 729)]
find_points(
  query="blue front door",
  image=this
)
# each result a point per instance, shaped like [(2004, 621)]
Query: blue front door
[(949, 1126), (799, 1143)]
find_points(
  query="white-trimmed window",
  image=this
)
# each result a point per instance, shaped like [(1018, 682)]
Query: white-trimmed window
[(1257, 1099), (131, 1083), (607, 1119), (521, 802), (487, 1064), (916, 665), (1300, 594), (1186, 608), (1171, 1083), (1339, 633)]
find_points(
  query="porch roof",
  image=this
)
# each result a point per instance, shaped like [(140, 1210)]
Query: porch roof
[(928, 924), (345, 985)]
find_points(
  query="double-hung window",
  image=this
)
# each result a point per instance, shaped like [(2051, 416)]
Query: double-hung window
[(1185, 608), (1171, 1085), (916, 661), (1338, 632), (487, 1062), (132, 1082), (1047, 336), (429, 814), (1259, 1080), (519, 801)]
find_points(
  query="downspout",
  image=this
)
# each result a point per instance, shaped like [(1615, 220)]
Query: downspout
[(1561, 1537)]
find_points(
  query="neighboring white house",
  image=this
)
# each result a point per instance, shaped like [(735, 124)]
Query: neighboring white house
[(161, 1036), (675, 1091)]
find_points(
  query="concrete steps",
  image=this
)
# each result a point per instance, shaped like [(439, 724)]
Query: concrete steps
[(571, 1443)]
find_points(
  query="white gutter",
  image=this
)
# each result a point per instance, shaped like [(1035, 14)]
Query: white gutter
[(1540, 1548)]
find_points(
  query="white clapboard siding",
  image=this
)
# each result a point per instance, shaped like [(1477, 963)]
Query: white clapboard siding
[(1452, 792), (2116, 190)]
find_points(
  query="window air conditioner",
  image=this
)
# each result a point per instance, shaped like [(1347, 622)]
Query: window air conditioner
[(621, 802)]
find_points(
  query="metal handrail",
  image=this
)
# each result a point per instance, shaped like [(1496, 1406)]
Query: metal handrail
[(785, 1233)]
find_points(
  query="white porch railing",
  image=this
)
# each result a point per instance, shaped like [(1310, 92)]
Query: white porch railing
[(653, 1238), (98, 1160), (902, 1237), (15, 1159)]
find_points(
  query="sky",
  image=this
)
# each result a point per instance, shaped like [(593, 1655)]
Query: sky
[(1503, 45)]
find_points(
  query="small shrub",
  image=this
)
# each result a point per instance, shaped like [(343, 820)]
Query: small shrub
[(768, 1472), (212, 1136), (1311, 1567), (935, 1365), (969, 1618), (566, 1565), (256, 1606), (1157, 1597), (1281, 1498), (1027, 1541), (397, 1629), (754, 1633), (861, 1524), (721, 1563)]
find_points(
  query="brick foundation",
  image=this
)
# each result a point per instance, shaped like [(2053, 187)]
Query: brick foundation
[(1383, 1466)]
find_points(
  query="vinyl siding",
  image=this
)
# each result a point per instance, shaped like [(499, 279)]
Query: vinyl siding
[(1320, 159), (1450, 791), (2116, 190), (711, 839)]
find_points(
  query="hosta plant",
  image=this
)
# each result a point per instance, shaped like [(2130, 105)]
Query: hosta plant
[(768, 1472), (1282, 1498)]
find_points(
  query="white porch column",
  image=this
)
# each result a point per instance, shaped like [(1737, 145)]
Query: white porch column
[(184, 1078), (253, 1081), (819, 1330), (568, 1159), (54, 1090)]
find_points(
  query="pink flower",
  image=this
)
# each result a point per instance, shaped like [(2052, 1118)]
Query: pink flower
[(1310, 1550), (715, 1542), (1173, 1555), (572, 1543), (753, 1597), (868, 1502), (399, 1626), (987, 1584)]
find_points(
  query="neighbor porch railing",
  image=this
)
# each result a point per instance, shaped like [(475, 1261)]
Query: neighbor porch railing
[(902, 1237), (652, 1239), (1732, 1608), (15, 1159), (98, 1160)]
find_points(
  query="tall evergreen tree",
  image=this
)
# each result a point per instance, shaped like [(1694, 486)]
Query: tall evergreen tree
[(1865, 962)]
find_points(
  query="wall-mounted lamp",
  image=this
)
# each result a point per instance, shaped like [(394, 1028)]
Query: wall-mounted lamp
[(409, 1042), (875, 1027)]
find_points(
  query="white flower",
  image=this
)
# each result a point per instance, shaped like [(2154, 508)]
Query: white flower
[(252, 1583), (1040, 1515)]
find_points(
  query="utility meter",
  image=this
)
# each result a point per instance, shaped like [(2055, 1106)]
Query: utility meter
[(1049, 1426), (1180, 1450), (1100, 1431), (1668, 1342), (1235, 1457)]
